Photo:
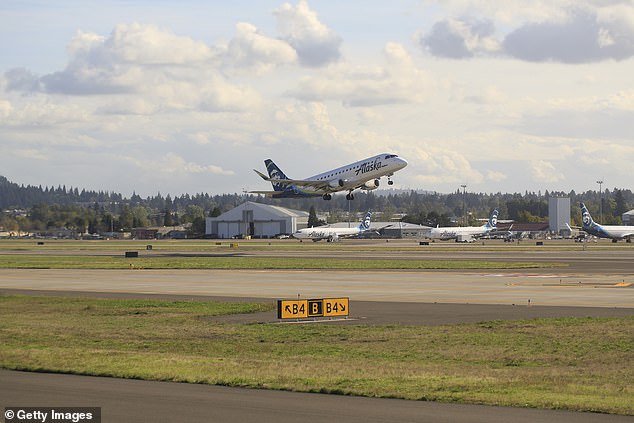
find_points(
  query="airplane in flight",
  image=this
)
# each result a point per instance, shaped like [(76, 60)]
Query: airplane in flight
[(364, 174), (333, 234), (465, 233), (614, 232)]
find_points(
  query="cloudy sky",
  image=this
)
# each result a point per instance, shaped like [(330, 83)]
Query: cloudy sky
[(190, 96)]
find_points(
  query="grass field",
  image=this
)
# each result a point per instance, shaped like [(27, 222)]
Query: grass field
[(572, 363), (220, 246)]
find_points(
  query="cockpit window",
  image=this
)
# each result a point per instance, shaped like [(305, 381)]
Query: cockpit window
[(389, 156)]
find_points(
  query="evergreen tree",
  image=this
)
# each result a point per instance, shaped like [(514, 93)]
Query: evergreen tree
[(312, 218), (168, 219)]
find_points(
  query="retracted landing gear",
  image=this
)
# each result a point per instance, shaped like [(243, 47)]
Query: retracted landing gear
[(350, 196), (327, 197)]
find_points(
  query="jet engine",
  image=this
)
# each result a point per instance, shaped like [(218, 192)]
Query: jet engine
[(337, 183), (370, 185)]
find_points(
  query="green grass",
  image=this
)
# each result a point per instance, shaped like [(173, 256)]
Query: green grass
[(570, 363), (31, 261), (266, 245)]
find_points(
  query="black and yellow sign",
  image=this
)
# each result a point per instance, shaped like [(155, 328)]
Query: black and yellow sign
[(292, 309), (336, 307), (318, 307)]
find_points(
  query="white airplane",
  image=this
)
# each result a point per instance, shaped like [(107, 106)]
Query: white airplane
[(364, 174), (614, 232), (465, 232), (333, 234)]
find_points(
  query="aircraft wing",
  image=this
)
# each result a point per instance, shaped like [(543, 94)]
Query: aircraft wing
[(266, 193), (317, 185)]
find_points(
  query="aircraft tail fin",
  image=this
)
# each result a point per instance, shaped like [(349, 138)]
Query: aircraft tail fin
[(365, 223), (275, 173), (586, 218), (492, 223)]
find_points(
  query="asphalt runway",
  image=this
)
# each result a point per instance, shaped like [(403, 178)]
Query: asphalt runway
[(550, 289), (143, 401)]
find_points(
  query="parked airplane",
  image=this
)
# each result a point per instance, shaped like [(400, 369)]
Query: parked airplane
[(333, 234), (364, 174), (613, 232), (465, 233)]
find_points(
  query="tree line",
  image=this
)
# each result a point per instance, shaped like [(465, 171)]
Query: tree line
[(30, 208)]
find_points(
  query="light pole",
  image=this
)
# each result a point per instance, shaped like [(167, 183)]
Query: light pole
[(600, 182), (464, 196)]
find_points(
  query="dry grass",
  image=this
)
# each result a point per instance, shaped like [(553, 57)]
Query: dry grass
[(575, 364)]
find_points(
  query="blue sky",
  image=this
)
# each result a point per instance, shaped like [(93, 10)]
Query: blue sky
[(186, 97)]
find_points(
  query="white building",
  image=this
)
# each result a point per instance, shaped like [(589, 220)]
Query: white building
[(559, 214), (256, 220)]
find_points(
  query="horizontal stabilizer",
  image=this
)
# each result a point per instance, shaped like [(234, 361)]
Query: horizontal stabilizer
[(262, 175)]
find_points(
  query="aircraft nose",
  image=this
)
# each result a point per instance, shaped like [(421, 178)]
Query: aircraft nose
[(402, 162)]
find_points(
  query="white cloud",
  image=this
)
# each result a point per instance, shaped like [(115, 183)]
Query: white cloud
[(5, 108), (172, 163), (150, 70), (495, 176), (30, 154), (460, 38), (315, 43), (561, 32), (399, 81), (545, 171), (251, 49)]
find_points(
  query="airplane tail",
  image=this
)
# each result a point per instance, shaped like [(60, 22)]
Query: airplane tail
[(365, 223), (492, 223), (586, 218), (275, 173)]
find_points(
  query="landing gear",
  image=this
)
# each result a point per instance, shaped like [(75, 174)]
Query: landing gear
[(390, 182), (327, 197), (349, 196)]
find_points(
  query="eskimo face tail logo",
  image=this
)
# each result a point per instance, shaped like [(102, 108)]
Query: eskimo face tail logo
[(275, 173), (493, 221), (587, 220), (366, 221)]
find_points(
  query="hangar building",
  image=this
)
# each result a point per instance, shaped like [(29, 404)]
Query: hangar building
[(255, 220)]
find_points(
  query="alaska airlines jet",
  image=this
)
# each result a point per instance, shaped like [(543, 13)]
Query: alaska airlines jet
[(454, 232), (613, 232), (364, 174), (333, 234)]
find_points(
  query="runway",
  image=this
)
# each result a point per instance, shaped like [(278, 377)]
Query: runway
[(551, 289)]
